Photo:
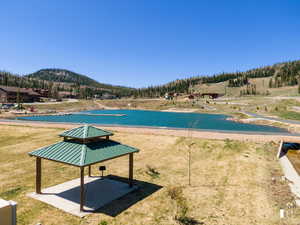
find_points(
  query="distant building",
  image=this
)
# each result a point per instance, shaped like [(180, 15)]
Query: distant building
[(211, 95), (10, 94), (43, 92), (108, 96), (191, 97), (203, 95), (170, 95), (66, 94)]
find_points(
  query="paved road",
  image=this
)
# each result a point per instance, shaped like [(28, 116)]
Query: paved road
[(271, 118)]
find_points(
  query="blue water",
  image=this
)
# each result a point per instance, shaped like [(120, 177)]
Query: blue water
[(159, 119)]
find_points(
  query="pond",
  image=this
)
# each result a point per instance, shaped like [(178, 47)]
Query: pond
[(146, 118)]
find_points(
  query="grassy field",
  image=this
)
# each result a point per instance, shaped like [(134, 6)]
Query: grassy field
[(232, 182), (67, 106)]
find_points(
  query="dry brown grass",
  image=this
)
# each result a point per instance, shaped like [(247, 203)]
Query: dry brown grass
[(294, 157), (230, 180), (67, 106)]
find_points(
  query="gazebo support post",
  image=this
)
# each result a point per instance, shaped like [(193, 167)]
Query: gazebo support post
[(38, 175), (130, 169), (90, 168), (81, 188)]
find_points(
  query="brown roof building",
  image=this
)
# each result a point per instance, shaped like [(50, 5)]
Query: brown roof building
[(9, 94)]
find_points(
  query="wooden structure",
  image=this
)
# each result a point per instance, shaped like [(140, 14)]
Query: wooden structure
[(210, 95), (11, 94), (83, 147)]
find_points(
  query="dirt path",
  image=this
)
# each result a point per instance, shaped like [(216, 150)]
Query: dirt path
[(257, 116), (104, 106)]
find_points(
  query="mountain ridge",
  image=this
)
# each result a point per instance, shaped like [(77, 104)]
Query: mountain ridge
[(68, 76), (281, 74), (284, 74)]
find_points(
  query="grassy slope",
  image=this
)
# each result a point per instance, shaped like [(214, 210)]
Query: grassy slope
[(262, 85), (231, 181)]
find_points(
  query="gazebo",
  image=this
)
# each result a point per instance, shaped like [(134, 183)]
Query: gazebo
[(82, 147)]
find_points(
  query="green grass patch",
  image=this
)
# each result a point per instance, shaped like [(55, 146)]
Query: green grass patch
[(289, 115), (234, 146), (12, 193), (240, 115), (152, 172)]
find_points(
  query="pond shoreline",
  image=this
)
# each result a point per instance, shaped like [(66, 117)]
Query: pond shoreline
[(290, 128), (180, 132), (160, 119)]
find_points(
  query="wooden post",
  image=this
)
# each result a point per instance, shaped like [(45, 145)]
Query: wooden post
[(38, 175), (90, 168), (130, 169), (189, 167), (81, 188)]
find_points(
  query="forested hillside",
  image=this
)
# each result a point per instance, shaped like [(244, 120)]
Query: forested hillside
[(62, 80), (66, 76), (279, 75), (283, 74)]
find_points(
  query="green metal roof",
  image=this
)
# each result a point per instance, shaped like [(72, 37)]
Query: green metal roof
[(79, 154), (84, 132)]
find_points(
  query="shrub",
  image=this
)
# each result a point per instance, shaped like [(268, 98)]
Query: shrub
[(12, 193), (152, 172), (232, 145), (103, 222), (181, 216), (175, 193)]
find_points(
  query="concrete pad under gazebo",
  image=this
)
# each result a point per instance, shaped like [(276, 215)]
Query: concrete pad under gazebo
[(82, 147), (99, 192)]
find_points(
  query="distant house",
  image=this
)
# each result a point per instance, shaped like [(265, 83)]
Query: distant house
[(66, 94), (211, 95), (191, 97), (108, 96), (203, 95), (10, 94), (43, 92), (170, 95)]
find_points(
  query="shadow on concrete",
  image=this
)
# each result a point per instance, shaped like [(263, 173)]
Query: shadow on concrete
[(99, 192), (144, 189)]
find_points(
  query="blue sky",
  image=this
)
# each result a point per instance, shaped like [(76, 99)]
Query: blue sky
[(147, 42)]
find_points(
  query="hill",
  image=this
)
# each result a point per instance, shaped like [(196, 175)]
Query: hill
[(277, 79), (61, 75), (57, 80), (66, 76), (277, 76)]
